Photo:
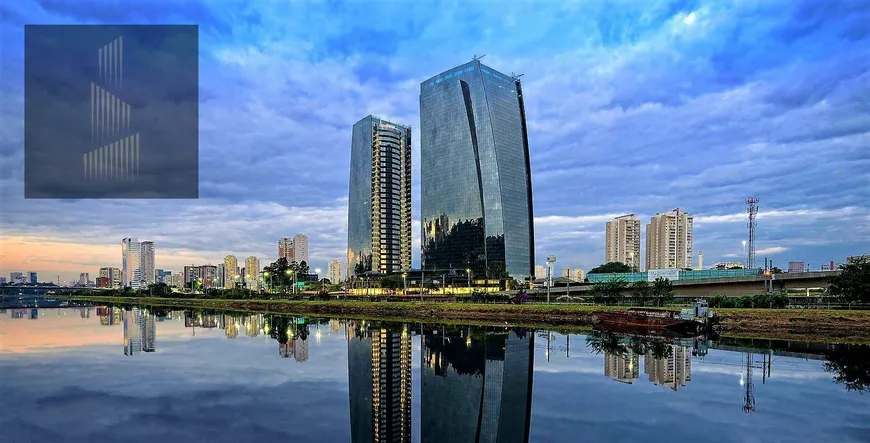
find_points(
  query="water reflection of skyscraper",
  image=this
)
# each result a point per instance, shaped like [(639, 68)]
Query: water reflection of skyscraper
[(140, 331), (379, 371), (476, 386)]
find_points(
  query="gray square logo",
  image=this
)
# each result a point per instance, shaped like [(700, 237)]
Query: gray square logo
[(111, 111)]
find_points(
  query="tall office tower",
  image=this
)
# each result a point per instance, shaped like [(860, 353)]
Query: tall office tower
[(32, 278), (300, 248), (476, 184), (208, 275), (379, 378), (476, 387), (669, 240), (252, 272), (221, 275), (673, 370), (191, 274), (146, 251), (379, 199), (285, 249), (334, 271), (622, 241), (231, 271), (131, 262), (622, 368)]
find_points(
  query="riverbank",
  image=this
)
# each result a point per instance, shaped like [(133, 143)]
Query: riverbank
[(783, 324)]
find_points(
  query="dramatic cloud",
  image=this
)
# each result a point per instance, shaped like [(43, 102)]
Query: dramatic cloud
[(636, 108)]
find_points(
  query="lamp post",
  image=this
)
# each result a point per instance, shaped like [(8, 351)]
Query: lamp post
[(405, 283), (550, 260), (268, 274), (468, 274), (568, 282)]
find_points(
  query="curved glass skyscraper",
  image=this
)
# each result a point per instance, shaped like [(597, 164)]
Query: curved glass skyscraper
[(476, 188), (379, 200)]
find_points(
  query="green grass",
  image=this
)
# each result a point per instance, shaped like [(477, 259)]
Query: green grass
[(788, 324)]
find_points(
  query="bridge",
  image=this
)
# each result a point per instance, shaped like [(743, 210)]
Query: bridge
[(735, 286)]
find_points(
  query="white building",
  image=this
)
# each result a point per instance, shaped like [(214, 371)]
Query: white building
[(540, 271), (131, 262), (294, 249), (334, 271), (669, 240), (622, 241), (252, 272)]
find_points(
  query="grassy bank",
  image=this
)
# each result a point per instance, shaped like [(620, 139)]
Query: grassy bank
[(785, 324)]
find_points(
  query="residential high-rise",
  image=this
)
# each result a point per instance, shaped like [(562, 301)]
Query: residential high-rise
[(293, 249), (110, 277), (669, 240), (221, 275), (146, 251), (17, 277), (379, 379), (32, 278), (252, 272), (622, 241), (231, 271), (191, 274), (476, 185), (300, 248), (208, 276), (540, 271), (379, 198), (334, 271), (285, 249), (131, 262), (84, 278)]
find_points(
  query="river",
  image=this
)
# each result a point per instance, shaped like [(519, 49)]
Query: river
[(141, 374)]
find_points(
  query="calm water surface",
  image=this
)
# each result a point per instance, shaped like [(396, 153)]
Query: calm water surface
[(106, 374)]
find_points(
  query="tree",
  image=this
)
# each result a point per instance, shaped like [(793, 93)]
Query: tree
[(662, 290), (853, 282), (850, 365), (159, 290), (608, 291), (611, 268), (642, 290)]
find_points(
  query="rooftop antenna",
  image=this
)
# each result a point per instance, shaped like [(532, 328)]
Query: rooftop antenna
[(478, 57), (516, 77)]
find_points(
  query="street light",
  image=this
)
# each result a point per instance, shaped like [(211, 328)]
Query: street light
[(292, 273), (550, 260), (405, 283), (267, 274), (468, 274)]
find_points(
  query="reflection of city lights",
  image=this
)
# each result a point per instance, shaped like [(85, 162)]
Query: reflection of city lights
[(317, 333), (741, 380)]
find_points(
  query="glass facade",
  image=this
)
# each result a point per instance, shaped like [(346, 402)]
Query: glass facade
[(476, 191), (379, 199)]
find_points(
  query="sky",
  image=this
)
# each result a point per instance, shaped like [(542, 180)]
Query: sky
[(632, 107)]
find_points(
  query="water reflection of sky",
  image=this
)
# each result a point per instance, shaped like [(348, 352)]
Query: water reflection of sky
[(65, 378)]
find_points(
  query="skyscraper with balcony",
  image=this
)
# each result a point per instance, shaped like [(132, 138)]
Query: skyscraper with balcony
[(622, 241), (131, 263), (476, 186), (379, 198), (252, 272), (231, 271), (334, 272), (669, 240), (146, 249)]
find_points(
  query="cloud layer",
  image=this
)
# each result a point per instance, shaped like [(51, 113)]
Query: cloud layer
[(634, 108)]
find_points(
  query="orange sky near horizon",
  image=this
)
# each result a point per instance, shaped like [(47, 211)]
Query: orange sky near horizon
[(49, 257)]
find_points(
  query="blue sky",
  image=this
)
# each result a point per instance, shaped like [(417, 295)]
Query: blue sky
[(632, 107)]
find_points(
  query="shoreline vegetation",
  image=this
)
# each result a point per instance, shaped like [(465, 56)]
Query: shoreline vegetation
[(782, 324)]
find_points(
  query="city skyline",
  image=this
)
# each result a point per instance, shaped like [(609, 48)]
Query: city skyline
[(715, 119)]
